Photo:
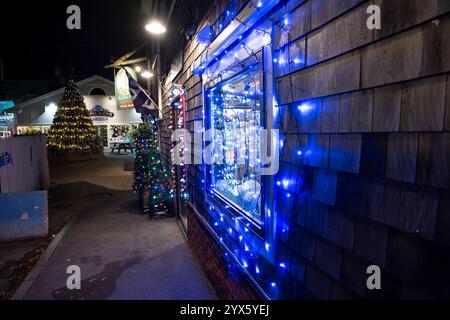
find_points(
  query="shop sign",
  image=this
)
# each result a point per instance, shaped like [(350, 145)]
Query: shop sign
[(5, 159), (5, 105), (98, 113), (123, 94)]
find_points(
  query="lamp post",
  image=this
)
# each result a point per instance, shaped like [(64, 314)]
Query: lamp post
[(157, 29)]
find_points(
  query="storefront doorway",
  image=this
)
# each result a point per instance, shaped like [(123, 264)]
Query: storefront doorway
[(103, 134)]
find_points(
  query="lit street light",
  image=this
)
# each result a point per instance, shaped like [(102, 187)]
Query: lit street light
[(147, 74), (155, 27)]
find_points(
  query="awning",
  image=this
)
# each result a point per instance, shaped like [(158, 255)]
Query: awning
[(5, 105)]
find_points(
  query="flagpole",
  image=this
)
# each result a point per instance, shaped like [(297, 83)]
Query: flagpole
[(146, 94)]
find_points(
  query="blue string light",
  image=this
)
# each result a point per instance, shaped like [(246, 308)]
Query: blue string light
[(244, 246)]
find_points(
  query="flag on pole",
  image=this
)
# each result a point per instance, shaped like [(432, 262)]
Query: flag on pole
[(141, 99)]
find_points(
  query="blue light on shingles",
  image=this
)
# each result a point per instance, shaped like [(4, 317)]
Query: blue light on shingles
[(279, 183), (273, 285), (282, 265), (305, 108), (299, 153), (267, 246), (257, 270)]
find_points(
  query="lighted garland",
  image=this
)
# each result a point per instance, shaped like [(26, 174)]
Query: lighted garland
[(233, 233), (180, 108), (73, 131)]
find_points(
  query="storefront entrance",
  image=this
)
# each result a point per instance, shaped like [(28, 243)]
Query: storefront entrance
[(103, 134)]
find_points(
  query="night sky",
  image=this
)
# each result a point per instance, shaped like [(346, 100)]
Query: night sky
[(35, 40)]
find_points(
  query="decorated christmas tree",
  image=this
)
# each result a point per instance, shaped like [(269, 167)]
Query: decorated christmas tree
[(150, 175), (72, 132)]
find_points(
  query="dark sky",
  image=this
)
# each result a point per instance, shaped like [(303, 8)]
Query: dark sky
[(34, 38)]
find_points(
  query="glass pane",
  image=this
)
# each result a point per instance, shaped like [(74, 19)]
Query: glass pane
[(236, 121)]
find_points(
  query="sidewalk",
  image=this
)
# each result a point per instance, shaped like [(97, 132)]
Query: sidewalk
[(122, 255)]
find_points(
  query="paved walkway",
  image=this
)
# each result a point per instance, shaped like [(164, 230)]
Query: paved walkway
[(122, 255)]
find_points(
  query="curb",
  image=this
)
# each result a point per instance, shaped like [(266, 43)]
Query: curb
[(34, 274)]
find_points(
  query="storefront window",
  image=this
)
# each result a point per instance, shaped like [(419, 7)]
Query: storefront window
[(235, 108), (120, 133), (32, 130)]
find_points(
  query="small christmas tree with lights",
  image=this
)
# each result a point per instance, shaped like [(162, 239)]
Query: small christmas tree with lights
[(73, 133), (150, 175)]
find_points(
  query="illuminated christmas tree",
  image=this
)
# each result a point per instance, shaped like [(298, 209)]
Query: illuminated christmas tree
[(73, 132), (150, 175)]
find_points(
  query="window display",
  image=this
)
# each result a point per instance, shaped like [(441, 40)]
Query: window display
[(120, 133), (32, 130), (236, 115), (103, 134), (7, 125)]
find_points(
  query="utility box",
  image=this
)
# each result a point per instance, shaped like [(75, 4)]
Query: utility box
[(23, 216), (24, 181)]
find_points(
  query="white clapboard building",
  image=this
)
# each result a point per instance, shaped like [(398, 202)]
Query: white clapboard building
[(113, 124)]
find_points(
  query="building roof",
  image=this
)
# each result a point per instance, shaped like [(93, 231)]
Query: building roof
[(95, 78)]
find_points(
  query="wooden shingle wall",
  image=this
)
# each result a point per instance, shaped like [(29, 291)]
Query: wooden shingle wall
[(376, 136)]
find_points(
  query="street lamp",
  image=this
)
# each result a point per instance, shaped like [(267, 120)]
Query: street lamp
[(155, 27), (147, 74)]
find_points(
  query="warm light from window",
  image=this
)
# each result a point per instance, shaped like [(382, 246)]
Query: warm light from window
[(51, 109)]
